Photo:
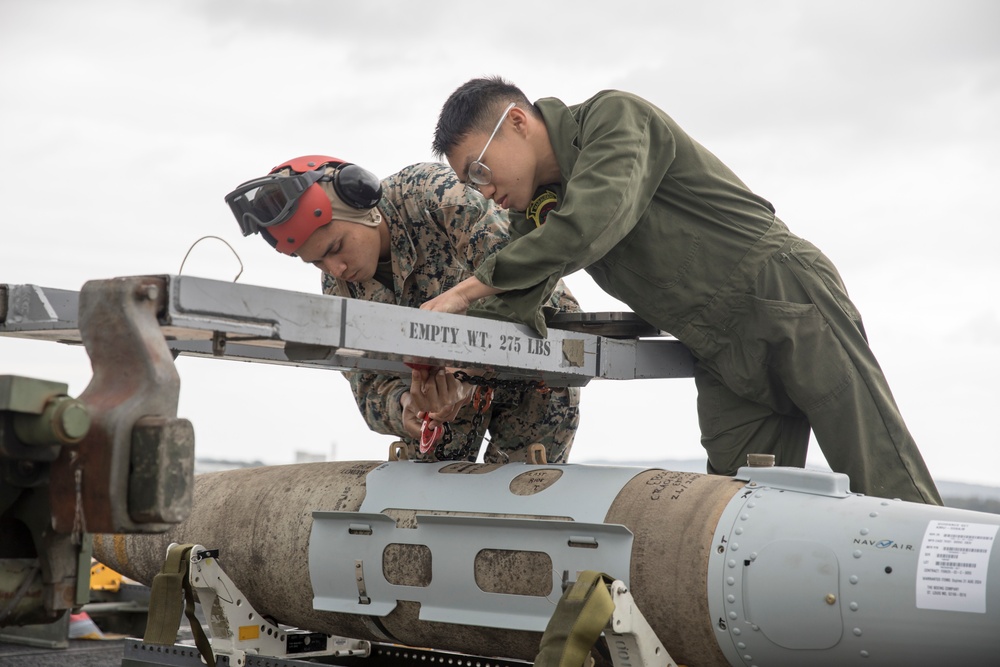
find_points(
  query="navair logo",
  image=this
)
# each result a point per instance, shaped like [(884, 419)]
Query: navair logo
[(884, 544)]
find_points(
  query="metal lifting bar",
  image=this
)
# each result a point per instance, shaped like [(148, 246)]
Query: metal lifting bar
[(205, 317)]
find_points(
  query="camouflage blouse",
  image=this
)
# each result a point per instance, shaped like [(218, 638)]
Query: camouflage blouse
[(440, 231)]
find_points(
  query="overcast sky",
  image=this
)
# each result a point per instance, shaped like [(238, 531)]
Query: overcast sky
[(872, 127)]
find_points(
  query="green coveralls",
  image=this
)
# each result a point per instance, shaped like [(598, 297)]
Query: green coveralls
[(661, 224), (439, 231)]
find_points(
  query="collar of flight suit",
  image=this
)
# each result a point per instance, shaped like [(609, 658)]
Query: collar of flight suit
[(564, 133)]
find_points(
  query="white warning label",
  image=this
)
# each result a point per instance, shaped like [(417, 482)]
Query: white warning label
[(954, 559)]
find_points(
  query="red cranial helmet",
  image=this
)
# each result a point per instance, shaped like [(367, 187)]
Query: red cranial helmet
[(303, 194)]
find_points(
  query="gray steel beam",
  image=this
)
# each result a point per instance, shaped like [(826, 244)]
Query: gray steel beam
[(205, 317)]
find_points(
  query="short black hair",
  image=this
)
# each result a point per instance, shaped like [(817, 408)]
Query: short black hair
[(475, 106)]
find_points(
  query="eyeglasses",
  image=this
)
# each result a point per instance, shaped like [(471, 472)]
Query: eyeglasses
[(272, 199), (479, 173)]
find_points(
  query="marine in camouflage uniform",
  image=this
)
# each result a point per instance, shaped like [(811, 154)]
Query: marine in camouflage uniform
[(440, 231)]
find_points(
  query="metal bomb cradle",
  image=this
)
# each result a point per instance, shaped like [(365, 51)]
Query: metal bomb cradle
[(777, 566)]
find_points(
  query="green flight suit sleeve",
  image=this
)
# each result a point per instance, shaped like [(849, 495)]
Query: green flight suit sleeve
[(482, 228), (625, 151)]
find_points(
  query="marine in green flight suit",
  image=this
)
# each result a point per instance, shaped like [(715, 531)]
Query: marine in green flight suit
[(661, 224)]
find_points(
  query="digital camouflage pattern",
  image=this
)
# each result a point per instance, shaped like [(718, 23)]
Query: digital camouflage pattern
[(440, 231)]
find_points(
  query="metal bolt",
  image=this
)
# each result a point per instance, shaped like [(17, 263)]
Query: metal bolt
[(147, 292), (71, 421), (831, 598), (63, 421)]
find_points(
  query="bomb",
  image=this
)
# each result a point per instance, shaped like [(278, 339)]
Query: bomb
[(777, 566)]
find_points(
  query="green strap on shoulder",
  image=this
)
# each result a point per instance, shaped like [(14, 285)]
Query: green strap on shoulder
[(581, 615), (171, 592)]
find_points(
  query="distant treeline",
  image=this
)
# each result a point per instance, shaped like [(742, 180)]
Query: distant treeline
[(976, 503)]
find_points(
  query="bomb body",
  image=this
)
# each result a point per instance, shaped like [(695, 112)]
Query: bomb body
[(780, 567)]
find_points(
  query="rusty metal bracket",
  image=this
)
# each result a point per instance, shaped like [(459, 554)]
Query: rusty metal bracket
[(95, 483)]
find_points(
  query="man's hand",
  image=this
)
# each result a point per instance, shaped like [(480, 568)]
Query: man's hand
[(412, 419), (435, 392), (447, 302), (459, 297), (438, 391)]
